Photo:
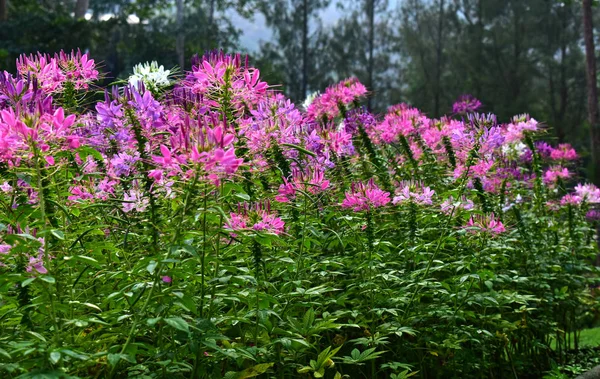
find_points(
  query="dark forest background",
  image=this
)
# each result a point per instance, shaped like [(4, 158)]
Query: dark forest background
[(516, 56)]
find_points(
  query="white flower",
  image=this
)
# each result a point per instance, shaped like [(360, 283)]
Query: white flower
[(151, 74), (517, 149), (309, 99)]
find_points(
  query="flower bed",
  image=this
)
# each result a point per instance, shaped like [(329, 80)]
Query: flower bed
[(208, 227)]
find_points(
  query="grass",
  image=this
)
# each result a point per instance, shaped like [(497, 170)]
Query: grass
[(587, 338)]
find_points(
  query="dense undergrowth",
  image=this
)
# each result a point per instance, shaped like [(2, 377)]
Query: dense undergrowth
[(206, 227)]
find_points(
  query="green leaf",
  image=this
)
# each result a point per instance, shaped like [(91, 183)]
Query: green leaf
[(242, 196), (74, 354), (250, 372), (151, 267), (27, 282), (93, 306), (48, 279), (5, 353), (55, 357), (113, 359), (58, 234), (153, 321), (89, 260), (37, 335), (178, 323)]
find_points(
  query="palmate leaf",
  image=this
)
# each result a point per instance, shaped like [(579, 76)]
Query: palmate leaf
[(356, 357), (323, 362)]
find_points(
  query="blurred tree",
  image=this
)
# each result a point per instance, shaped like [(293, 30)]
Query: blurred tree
[(81, 7), (592, 88), (294, 43), (180, 39)]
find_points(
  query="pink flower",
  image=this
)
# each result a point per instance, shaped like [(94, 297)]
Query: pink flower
[(326, 106), (554, 173), (37, 263), (134, 200), (52, 72), (564, 151), (259, 215), (515, 131), (5, 248), (448, 205), (415, 192), (5, 187), (485, 224), (588, 192), (311, 180), (364, 197), (466, 104), (571, 199)]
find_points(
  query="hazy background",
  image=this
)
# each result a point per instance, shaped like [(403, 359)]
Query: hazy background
[(516, 56)]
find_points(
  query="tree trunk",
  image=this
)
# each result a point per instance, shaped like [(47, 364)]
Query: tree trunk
[(3, 12), (371, 15), (592, 89), (479, 64), (438, 60), (81, 7), (304, 49), (564, 89), (180, 39), (211, 27)]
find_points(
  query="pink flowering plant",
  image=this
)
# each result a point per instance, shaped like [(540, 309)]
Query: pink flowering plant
[(213, 228)]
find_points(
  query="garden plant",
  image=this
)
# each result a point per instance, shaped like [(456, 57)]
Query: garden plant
[(202, 225)]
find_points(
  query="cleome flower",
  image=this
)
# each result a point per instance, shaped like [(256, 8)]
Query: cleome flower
[(52, 72), (365, 197), (257, 216), (466, 104), (153, 76), (485, 224), (414, 192)]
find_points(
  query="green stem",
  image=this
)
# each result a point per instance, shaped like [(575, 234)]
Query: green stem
[(300, 265), (203, 255)]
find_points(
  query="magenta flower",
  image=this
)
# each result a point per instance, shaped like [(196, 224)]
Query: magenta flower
[(258, 217), (553, 174), (208, 78), (365, 197), (466, 104), (52, 72), (515, 131), (565, 152), (311, 180), (571, 199), (593, 215), (343, 94), (485, 224)]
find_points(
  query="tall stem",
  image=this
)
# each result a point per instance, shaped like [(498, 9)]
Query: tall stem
[(42, 201), (203, 255), (300, 265)]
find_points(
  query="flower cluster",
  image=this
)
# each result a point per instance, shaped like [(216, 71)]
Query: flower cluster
[(258, 217), (466, 104), (365, 197), (53, 72), (153, 76), (485, 224)]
